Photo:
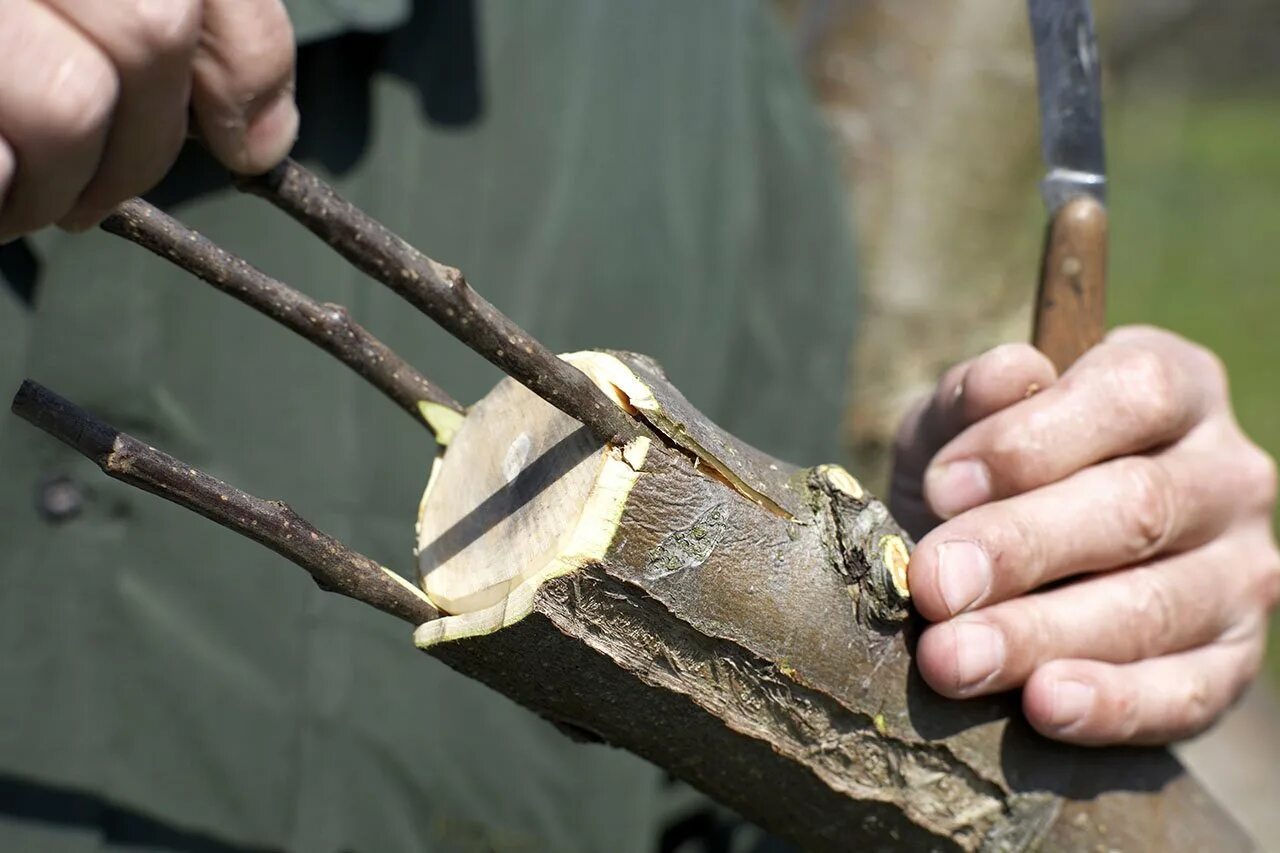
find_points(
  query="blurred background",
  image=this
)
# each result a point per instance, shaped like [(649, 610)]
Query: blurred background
[(932, 109)]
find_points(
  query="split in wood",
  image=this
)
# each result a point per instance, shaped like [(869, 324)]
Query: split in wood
[(762, 656), (532, 496), (441, 293), (326, 325), (333, 566)]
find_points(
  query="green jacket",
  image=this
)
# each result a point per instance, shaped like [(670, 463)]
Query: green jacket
[(640, 176)]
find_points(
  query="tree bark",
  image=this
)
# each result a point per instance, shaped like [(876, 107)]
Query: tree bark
[(765, 657)]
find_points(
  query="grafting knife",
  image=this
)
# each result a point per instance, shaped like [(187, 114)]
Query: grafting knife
[(1071, 305)]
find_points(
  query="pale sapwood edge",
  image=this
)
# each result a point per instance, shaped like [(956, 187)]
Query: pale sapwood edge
[(328, 326), (442, 294), (767, 662), (333, 566)]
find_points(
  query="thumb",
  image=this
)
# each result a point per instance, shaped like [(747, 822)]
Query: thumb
[(242, 91)]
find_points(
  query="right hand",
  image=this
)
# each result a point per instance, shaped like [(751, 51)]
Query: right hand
[(95, 98)]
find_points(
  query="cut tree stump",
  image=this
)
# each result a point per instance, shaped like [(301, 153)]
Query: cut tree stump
[(743, 623)]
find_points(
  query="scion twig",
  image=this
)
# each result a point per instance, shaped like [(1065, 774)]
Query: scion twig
[(441, 293), (333, 566), (328, 326)]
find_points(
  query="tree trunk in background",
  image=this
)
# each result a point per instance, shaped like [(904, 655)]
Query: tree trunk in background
[(933, 110)]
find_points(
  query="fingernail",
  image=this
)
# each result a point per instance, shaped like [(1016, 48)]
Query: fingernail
[(957, 486), (271, 133), (1071, 703), (979, 654), (964, 574)]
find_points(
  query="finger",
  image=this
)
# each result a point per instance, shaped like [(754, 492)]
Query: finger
[(1118, 513), (243, 86), (1147, 703), (1174, 604), (57, 93), (971, 391), (913, 447), (1122, 397), (151, 45), (967, 393)]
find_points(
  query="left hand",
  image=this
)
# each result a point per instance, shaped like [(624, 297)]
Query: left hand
[(1130, 477)]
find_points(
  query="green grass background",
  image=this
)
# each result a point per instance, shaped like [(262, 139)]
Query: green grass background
[(1195, 207)]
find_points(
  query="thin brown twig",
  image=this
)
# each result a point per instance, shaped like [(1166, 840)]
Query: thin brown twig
[(333, 566), (441, 293), (328, 326)]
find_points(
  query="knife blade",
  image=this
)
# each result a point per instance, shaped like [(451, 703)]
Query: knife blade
[(1070, 312)]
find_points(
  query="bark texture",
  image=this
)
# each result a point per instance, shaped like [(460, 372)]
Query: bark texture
[(765, 657)]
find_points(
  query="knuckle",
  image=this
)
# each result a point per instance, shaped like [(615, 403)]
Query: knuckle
[(1251, 648), (1126, 708), (1004, 376), (264, 59), (1152, 612), (1003, 357), (1031, 631), (1246, 629), (1259, 470), (165, 28), (1215, 369), (83, 96), (1145, 390), (1015, 453), (1028, 549), (1147, 509), (1268, 582), (1138, 333), (1195, 709), (1251, 666)]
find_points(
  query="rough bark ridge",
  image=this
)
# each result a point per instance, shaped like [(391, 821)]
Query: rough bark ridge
[(765, 658)]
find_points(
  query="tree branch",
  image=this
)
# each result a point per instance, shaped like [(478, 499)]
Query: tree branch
[(328, 326), (744, 652), (334, 566), (441, 293)]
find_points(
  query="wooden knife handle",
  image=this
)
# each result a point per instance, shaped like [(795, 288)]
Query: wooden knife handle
[(1071, 305)]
